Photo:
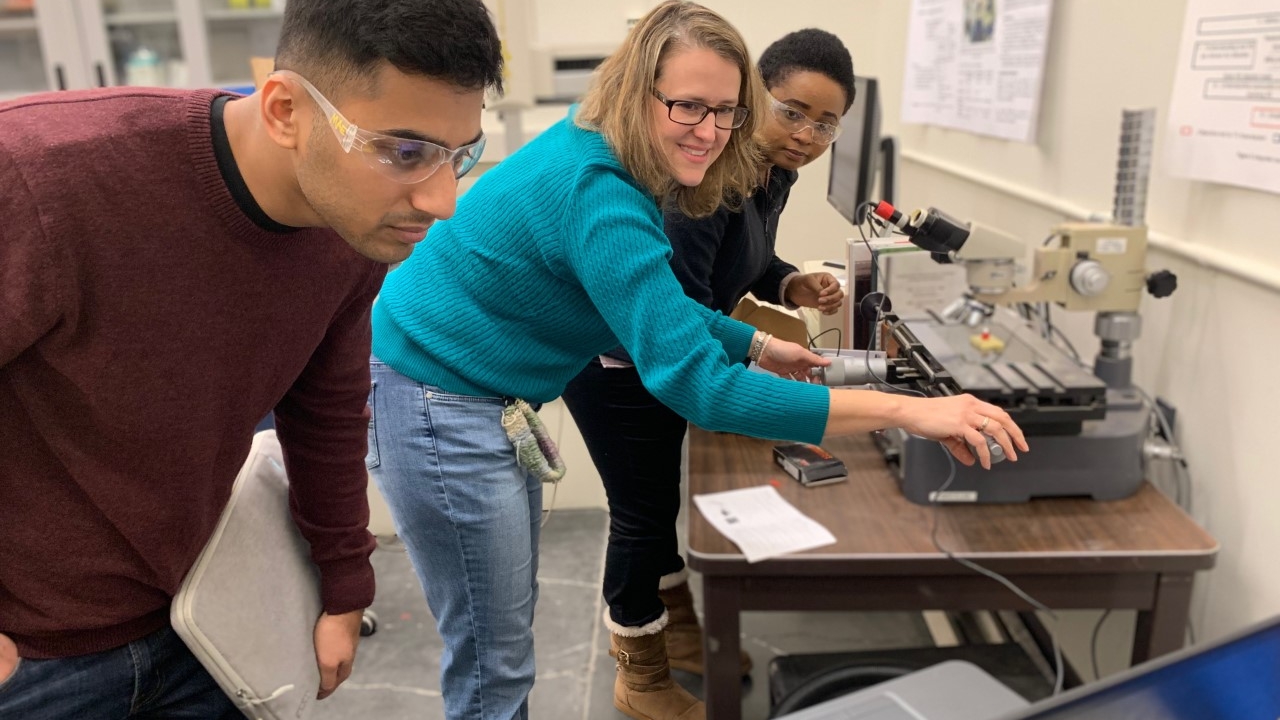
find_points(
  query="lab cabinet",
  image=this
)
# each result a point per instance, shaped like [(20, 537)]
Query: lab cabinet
[(71, 44)]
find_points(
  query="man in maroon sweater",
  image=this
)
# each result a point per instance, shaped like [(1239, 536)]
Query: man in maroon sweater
[(173, 266)]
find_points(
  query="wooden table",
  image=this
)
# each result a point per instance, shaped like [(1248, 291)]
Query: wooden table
[(1139, 553)]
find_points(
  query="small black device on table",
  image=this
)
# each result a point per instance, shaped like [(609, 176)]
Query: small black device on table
[(809, 464)]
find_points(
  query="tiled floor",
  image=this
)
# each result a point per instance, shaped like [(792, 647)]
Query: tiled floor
[(397, 671)]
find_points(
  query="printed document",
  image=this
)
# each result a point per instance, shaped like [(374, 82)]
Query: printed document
[(1224, 118), (977, 65), (761, 523)]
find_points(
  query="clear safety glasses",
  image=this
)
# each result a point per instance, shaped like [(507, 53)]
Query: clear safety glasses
[(794, 121), (403, 160)]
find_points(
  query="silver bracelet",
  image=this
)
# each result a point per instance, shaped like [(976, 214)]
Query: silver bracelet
[(758, 343)]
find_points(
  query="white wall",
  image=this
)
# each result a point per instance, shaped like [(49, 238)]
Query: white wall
[(570, 23), (1207, 348)]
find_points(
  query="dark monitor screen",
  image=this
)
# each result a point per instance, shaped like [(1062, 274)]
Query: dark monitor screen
[(855, 154), (1236, 679)]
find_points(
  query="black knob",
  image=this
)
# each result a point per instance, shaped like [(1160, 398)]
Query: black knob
[(1162, 283), (873, 305)]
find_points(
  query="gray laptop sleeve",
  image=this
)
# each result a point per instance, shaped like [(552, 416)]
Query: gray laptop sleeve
[(249, 605)]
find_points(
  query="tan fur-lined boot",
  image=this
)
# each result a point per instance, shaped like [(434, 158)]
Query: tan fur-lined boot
[(684, 634), (644, 689)]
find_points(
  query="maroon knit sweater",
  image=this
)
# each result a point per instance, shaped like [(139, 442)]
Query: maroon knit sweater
[(146, 326)]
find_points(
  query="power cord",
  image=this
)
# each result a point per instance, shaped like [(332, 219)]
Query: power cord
[(880, 306), (935, 503), (1097, 627), (839, 339), (1093, 644), (1048, 329), (1059, 666)]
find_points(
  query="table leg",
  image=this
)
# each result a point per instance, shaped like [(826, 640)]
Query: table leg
[(1161, 629), (722, 607)]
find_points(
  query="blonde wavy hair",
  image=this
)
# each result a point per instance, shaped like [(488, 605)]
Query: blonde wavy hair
[(617, 106)]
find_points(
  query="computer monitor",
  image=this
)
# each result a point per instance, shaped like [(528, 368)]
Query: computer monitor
[(855, 156), (1236, 678)]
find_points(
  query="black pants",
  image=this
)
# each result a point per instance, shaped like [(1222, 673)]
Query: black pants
[(634, 441)]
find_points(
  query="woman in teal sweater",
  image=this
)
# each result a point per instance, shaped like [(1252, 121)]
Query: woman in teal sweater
[(635, 441), (555, 256)]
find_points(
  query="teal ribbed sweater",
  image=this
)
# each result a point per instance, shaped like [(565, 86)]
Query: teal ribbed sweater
[(557, 255)]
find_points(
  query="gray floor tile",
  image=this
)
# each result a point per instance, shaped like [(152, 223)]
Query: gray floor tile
[(600, 692), (572, 546), (397, 671)]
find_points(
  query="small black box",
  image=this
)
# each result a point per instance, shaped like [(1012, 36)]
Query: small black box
[(809, 464)]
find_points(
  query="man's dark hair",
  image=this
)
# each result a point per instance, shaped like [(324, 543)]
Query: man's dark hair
[(809, 49), (338, 44)]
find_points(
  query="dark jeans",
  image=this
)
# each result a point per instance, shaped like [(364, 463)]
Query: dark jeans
[(634, 441), (156, 678)]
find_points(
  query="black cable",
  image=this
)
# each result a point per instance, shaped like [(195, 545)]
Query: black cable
[(1070, 348), (1093, 641), (1051, 329), (839, 339), (1027, 310), (875, 326), (1093, 644)]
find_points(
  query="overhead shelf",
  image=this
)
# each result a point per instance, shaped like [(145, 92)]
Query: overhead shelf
[(17, 24), (244, 14), (160, 17), (6, 95)]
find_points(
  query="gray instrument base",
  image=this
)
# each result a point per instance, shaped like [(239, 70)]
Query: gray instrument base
[(1103, 462)]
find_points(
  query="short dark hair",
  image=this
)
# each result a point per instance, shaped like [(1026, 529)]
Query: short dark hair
[(339, 43), (809, 49)]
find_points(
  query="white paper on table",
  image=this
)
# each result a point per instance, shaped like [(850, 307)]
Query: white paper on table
[(761, 523)]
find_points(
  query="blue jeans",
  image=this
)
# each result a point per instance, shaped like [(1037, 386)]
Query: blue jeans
[(469, 516), (156, 678)]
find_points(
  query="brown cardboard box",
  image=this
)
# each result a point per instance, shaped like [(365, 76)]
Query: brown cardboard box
[(777, 323)]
